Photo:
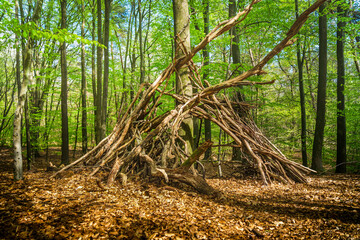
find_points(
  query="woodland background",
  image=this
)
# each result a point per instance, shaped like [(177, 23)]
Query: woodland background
[(140, 45)]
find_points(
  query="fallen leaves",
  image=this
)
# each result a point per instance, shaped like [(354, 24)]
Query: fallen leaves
[(76, 207)]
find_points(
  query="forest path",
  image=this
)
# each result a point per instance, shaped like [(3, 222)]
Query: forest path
[(74, 206)]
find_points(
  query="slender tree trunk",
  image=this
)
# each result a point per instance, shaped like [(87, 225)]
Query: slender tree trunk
[(83, 86), (235, 48), (34, 111), (114, 74), (146, 42), (235, 54), (98, 101), (206, 57), (17, 44), (321, 97), (93, 64), (309, 82), (50, 124), (29, 148), (196, 122), (64, 107), (18, 81), (106, 68), (341, 121), (132, 56), (300, 62), (76, 129), (141, 46), (18, 160), (183, 83), (124, 60), (356, 49)]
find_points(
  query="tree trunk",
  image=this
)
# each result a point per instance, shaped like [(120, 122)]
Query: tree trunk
[(132, 55), (317, 164), (17, 45), (106, 68), (183, 83), (300, 62), (83, 85), (34, 111), (235, 49), (206, 57), (64, 107), (18, 160), (98, 101), (93, 64), (235, 54), (341, 122), (124, 95), (29, 147), (141, 46)]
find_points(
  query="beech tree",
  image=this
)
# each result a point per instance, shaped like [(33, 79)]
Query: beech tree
[(83, 84), (341, 122), (99, 133), (317, 163), (206, 57), (27, 78), (104, 98), (64, 93), (182, 45), (300, 55)]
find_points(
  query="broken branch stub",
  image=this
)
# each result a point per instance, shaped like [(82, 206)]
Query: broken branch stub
[(141, 140)]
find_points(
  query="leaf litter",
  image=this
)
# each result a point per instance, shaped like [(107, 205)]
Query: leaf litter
[(78, 207)]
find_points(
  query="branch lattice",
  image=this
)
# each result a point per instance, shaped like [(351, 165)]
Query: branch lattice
[(143, 142)]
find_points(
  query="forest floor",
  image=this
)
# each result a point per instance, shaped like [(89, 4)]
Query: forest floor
[(75, 207)]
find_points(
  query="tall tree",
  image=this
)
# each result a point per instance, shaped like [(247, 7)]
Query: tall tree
[(17, 45), (99, 54), (341, 121), (321, 94), (183, 82), (27, 76), (106, 68), (64, 93), (83, 83), (206, 57), (235, 55), (141, 45), (300, 63), (93, 60)]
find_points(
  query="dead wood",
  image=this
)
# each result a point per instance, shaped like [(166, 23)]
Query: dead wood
[(145, 143)]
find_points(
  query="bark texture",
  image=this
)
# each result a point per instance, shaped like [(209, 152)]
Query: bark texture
[(317, 164), (341, 121), (27, 76), (300, 63), (99, 134), (83, 86), (206, 57), (64, 93), (183, 83)]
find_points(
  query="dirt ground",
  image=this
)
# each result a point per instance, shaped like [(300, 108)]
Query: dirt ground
[(77, 207)]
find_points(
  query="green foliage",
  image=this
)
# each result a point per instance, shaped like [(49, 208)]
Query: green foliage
[(278, 112)]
